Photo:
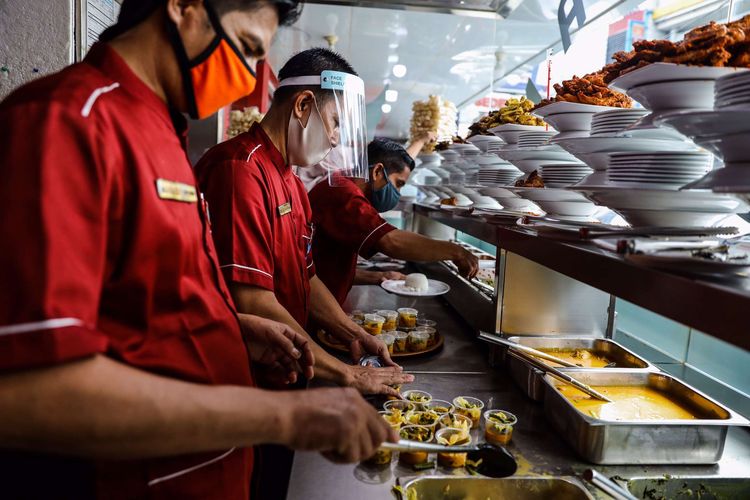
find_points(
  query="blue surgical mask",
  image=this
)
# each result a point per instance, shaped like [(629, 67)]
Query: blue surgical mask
[(385, 198)]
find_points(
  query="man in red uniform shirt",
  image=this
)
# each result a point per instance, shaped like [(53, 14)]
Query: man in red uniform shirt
[(124, 368), (347, 222), (260, 218)]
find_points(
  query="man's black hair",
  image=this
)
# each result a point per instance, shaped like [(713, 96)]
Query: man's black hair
[(391, 154), (134, 12), (311, 62)]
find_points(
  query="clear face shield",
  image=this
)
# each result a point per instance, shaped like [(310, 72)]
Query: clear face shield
[(344, 121)]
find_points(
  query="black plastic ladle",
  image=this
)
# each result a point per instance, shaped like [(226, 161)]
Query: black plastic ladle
[(495, 460)]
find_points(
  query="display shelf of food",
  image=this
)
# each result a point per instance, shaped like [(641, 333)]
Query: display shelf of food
[(716, 306)]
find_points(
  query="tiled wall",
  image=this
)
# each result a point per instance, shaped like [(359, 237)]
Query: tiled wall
[(711, 365)]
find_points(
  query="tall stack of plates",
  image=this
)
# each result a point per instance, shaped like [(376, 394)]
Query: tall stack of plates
[(733, 91), (484, 142), (533, 139), (611, 123), (498, 175), (658, 170), (559, 175)]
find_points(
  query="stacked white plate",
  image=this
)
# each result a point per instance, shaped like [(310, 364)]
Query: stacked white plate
[(657, 170), (667, 208), (534, 139), (733, 91), (595, 151), (498, 175), (509, 132), (483, 142), (558, 202), (610, 123), (557, 175), (569, 116)]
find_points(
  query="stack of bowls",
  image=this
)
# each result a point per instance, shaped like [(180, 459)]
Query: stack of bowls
[(484, 142), (571, 119)]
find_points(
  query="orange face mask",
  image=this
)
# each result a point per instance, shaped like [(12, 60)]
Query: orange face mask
[(218, 76)]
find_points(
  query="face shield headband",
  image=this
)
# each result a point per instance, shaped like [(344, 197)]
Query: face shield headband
[(348, 94)]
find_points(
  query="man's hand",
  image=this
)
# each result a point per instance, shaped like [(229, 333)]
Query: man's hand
[(368, 380), (277, 346), (466, 262), (391, 275), (336, 422), (364, 343), (426, 137)]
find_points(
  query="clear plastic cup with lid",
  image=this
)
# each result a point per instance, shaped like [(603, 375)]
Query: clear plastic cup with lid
[(407, 317), (418, 341), (389, 340), (373, 324), (391, 319), (430, 331), (400, 343)]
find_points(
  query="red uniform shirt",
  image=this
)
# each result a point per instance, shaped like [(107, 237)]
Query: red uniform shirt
[(99, 257), (260, 218), (346, 225)]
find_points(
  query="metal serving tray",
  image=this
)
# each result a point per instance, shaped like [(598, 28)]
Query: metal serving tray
[(518, 488), (531, 380), (610, 442)]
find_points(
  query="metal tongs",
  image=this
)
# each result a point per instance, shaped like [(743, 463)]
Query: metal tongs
[(608, 486), (524, 353)]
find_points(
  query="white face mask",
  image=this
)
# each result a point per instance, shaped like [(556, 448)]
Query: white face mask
[(307, 146)]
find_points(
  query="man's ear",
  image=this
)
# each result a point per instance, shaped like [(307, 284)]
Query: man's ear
[(378, 171), (302, 105), (184, 12)]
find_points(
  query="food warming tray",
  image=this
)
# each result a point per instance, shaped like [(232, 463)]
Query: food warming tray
[(531, 380), (610, 442)]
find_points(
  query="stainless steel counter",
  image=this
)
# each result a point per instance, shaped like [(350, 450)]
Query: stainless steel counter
[(538, 450)]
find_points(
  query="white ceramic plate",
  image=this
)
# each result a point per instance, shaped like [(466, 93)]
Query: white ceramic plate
[(569, 107), (733, 178), (582, 208), (398, 287), (666, 218), (732, 148), (389, 266), (663, 72), (686, 201), (684, 94), (546, 194), (509, 132)]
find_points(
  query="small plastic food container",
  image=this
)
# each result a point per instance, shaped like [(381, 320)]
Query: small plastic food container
[(400, 344), (373, 324), (358, 315), (400, 405), (424, 417), (455, 421), (469, 407), (407, 317), (439, 406), (389, 339), (418, 341), (427, 322), (383, 456), (391, 319), (415, 433), (498, 426), (418, 398), (429, 331), (452, 437)]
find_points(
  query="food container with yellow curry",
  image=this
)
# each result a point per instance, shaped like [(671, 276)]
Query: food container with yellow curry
[(452, 437), (652, 418), (418, 433), (469, 407), (383, 456), (588, 354)]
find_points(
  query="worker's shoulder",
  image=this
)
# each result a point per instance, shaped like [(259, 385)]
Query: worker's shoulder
[(75, 88), (338, 189)]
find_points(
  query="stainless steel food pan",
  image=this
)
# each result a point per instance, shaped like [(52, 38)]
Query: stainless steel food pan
[(517, 488), (531, 380), (699, 441)]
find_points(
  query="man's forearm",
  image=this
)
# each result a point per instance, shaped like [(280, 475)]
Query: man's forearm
[(326, 311), (411, 246), (363, 277), (98, 407), (264, 304)]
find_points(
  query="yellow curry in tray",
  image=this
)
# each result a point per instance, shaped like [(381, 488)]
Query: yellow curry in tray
[(581, 357), (628, 403)]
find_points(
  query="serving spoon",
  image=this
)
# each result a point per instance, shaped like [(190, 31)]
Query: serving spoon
[(495, 461)]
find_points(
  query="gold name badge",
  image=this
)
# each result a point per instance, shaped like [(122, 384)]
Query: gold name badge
[(176, 191), (284, 209)]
